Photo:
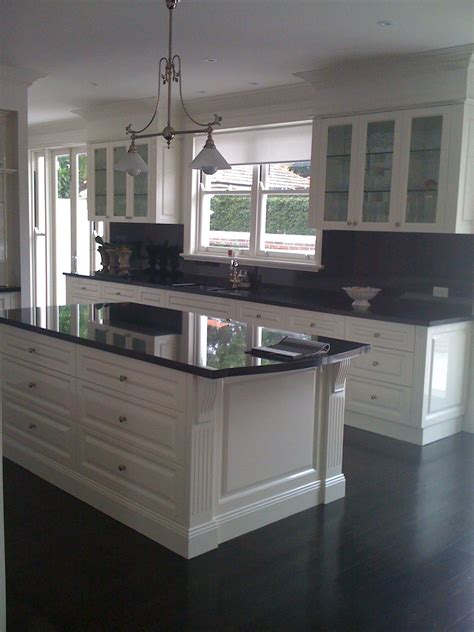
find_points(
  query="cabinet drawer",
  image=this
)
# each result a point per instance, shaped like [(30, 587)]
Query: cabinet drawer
[(382, 334), (387, 365), (200, 304), (45, 433), (330, 325), (391, 403), (144, 381), (47, 389), (149, 296), (147, 426), (39, 350), (265, 315), (84, 288), (120, 292), (147, 481)]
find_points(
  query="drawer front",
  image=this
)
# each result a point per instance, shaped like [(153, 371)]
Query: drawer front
[(144, 381), (330, 325), (264, 315), (382, 334), (39, 350), (45, 433), (146, 481), (201, 305), (386, 365), (147, 426), (84, 288), (391, 403), (149, 296), (49, 390), (118, 292)]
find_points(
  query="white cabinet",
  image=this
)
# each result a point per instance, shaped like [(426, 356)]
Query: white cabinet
[(151, 197), (208, 305), (330, 325), (119, 292), (405, 170)]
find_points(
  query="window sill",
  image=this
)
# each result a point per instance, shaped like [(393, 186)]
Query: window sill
[(255, 261)]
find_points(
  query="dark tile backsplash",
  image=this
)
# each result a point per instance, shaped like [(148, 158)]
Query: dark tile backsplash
[(399, 263)]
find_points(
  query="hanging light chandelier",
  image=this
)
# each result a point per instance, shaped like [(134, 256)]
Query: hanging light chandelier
[(209, 159)]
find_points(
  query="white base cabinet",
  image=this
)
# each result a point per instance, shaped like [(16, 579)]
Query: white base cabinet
[(190, 462), (412, 387)]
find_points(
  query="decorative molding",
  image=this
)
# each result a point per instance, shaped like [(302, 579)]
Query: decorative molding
[(413, 64), (18, 76), (201, 470), (338, 384), (207, 393)]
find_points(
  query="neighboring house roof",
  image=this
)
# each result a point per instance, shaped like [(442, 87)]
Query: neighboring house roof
[(240, 176)]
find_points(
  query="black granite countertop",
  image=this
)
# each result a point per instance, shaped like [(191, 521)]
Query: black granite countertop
[(13, 288), (215, 348), (387, 308)]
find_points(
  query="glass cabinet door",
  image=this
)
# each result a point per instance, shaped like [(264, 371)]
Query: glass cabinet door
[(120, 183), (338, 169), (100, 181), (379, 150), (140, 187), (423, 170)]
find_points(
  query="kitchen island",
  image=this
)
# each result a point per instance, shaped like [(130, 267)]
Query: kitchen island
[(161, 420)]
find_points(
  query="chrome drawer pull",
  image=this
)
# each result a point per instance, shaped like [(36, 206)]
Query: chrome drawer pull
[(123, 378), (375, 363), (373, 397), (122, 468), (32, 426), (31, 385), (122, 419), (376, 335), (31, 349)]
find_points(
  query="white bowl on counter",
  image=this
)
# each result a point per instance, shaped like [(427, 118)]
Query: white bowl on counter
[(361, 295)]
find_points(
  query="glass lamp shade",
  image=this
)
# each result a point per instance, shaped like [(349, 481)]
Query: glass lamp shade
[(132, 163), (209, 159)]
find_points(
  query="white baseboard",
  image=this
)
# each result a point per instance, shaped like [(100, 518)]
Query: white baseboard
[(418, 436)]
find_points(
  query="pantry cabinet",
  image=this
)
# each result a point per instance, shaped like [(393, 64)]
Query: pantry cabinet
[(115, 196), (405, 170)]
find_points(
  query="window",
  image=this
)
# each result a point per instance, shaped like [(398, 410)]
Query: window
[(259, 210)]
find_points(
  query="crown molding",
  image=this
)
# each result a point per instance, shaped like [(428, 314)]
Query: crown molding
[(413, 64), (18, 76)]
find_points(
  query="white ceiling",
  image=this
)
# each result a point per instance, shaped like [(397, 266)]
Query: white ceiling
[(115, 43)]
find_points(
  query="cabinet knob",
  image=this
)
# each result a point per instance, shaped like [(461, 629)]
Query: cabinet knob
[(31, 349), (313, 325), (349, 223), (376, 335), (375, 363), (355, 223), (123, 378), (397, 224), (31, 385), (32, 426), (122, 467), (117, 293), (83, 287), (122, 419), (259, 315), (373, 397)]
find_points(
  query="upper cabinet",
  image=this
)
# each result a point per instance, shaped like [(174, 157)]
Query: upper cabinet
[(115, 196), (406, 170)]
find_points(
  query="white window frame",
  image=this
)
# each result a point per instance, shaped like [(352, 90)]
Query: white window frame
[(255, 255)]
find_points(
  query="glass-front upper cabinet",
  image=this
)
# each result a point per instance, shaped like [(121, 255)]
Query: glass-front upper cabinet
[(424, 176), (333, 171), (378, 171), (129, 194), (98, 182)]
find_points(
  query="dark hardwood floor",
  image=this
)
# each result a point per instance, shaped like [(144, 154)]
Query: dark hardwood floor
[(396, 554)]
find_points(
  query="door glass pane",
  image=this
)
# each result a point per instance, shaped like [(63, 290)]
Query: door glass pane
[(378, 171), (100, 176), (338, 166), (140, 183), (62, 221), (120, 184), (226, 221), (423, 169), (83, 226)]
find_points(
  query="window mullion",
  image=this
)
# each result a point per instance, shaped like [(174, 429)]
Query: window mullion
[(255, 212)]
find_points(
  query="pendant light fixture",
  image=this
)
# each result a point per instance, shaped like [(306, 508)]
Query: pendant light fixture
[(209, 159)]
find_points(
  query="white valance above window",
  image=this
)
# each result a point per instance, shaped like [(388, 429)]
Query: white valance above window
[(288, 143)]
